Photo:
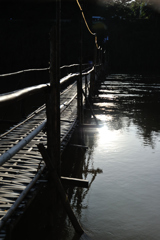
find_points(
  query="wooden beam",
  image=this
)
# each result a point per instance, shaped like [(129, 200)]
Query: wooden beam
[(80, 146), (74, 182), (60, 189)]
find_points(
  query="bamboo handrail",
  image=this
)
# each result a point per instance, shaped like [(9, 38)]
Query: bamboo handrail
[(23, 71), (7, 98), (73, 65), (20, 94), (12, 151), (38, 69)]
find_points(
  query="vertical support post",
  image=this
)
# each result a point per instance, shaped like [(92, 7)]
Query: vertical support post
[(86, 92), (86, 84), (53, 101), (79, 81), (92, 81), (53, 114), (98, 56), (101, 59)]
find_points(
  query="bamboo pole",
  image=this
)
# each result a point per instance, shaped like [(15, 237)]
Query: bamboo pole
[(86, 84), (12, 151), (90, 107), (92, 81), (60, 189), (53, 100), (79, 81)]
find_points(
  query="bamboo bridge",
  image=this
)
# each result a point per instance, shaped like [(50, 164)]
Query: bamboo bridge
[(31, 150), (22, 168)]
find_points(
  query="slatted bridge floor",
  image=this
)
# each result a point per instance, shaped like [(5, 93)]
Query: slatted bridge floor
[(26, 166)]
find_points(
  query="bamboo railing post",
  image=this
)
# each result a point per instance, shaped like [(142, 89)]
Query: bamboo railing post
[(79, 81), (53, 114), (101, 57), (92, 80), (95, 59), (53, 102), (90, 107), (86, 84)]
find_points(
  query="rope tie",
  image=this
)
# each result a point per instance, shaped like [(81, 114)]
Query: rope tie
[(94, 34)]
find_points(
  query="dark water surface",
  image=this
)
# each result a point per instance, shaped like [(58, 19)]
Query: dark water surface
[(122, 163)]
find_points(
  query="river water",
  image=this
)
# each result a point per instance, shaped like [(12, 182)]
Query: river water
[(122, 163)]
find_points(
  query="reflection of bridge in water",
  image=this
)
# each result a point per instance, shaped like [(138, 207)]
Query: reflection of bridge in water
[(130, 95), (122, 100)]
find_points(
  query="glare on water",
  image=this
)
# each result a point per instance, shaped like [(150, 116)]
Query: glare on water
[(122, 165)]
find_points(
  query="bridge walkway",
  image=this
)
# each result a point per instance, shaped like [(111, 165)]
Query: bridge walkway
[(26, 166)]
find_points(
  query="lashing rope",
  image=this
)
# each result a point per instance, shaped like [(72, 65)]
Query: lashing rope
[(94, 34)]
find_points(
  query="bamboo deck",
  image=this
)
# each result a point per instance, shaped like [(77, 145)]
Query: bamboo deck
[(27, 164)]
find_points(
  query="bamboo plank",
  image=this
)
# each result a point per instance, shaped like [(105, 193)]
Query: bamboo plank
[(17, 167), (2, 213), (27, 160), (14, 176), (19, 181), (13, 187), (5, 205), (10, 195), (6, 200)]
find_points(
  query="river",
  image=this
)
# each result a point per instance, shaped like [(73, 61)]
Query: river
[(122, 163)]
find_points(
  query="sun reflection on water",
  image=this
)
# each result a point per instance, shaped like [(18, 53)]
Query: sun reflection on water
[(104, 118), (106, 133)]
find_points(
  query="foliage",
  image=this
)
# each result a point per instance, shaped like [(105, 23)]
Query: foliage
[(130, 9), (133, 29)]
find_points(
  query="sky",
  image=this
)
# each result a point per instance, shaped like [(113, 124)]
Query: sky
[(155, 3)]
